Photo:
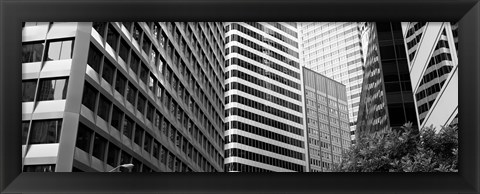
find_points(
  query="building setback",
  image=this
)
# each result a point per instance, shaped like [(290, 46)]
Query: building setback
[(433, 61), (264, 117), (98, 95), (327, 120), (334, 49), (386, 98)]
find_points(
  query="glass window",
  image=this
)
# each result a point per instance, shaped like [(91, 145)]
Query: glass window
[(53, 89), (138, 135), (108, 70), (146, 44), (100, 27), (84, 137), (94, 58), (137, 165), (99, 145), (134, 62), (39, 168), (147, 143), (131, 94), (120, 83), (103, 108), (117, 115), (153, 56), (112, 37), (124, 49), (144, 73), (151, 83), (128, 25), (128, 127), (28, 90), (58, 50), (141, 104), (45, 131), (113, 154), (25, 126), (125, 158), (137, 32), (89, 96), (155, 149), (32, 52), (150, 110)]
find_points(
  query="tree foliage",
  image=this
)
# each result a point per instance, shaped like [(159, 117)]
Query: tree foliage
[(406, 150)]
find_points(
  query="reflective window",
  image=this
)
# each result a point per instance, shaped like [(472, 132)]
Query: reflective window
[(28, 90), (117, 115), (134, 62), (131, 94), (32, 52), (84, 137), (94, 58), (103, 108), (52, 89), (45, 131), (58, 50), (99, 146), (137, 32), (89, 96), (112, 37), (124, 49), (128, 127), (120, 83), (144, 73), (108, 70), (141, 104)]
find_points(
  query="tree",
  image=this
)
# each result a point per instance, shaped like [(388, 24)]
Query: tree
[(406, 150)]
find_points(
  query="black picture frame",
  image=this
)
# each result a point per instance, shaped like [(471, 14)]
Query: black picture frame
[(13, 12)]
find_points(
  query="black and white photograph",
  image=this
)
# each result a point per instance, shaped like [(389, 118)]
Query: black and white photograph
[(239, 97)]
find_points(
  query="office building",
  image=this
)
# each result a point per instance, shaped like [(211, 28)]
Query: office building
[(386, 98), (334, 49), (327, 120), (433, 64), (100, 95), (264, 115)]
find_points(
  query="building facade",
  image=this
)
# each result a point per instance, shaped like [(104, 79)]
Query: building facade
[(327, 120), (99, 95), (386, 99), (334, 49), (433, 61), (264, 116)]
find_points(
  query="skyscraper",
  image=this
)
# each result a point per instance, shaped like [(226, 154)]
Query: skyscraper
[(99, 95), (264, 116), (386, 98), (433, 63), (334, 49), (327, 120)]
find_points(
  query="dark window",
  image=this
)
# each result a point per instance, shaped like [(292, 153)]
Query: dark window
[(53, 89), (112, 37), (131, 94), (39, 168), (108, 70), (128, 127), (138, 135), (125, 158), (387, 52), (155, 149), (89, 96), (141, 104), (58, 50), (134, 62), (150, 110), (144, 73), (137, 33), (94, 58), (99, 145), (113, 154), (137, 165), (32, 52), (124, 49), (84, 137), (128, 25), (25, 125), (120, 83), (103, 108), (28, 90), (100, 27), (147, 143), (117, 115), (146, 44)]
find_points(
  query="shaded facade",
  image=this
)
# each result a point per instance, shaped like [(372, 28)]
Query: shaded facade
[(98, 95), (334, 49), (386, 98), (326, 112), (433, 63), (264, 116)]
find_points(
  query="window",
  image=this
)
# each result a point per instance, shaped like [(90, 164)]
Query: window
[(112, 37), (143, 73), (138, 135), (84, 137), (53, 89), (125, 158), (124, 49), (89, 96), (45, 131), (128, 127), (100, 27), (99, 145), (131, 94), (134, 62), (155, 149), (28, 90), (120, 83), (146, 44), (32, 52), (25, 126), (113, 154), (117, 115), (58, 50), (94, 58), (147, 143), (150, 110), (108, 71), (39, 168), (137, 33), (141, 103), (103, 108)]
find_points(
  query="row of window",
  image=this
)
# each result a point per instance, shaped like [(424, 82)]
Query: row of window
[(263, 120), (263, 72), (41, 131), (235, 152), (56, 49), (48, 89), (273, 33), (264, 39), (263, 146), (264, 133), (264, 108), (263, 95), (283, 28), (257, 58), (239, 167)]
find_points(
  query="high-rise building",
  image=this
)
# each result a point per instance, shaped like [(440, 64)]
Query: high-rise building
[(433, 61), (386, 98), (100, 95), (334, 49), (264, 116), (327, 120)]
